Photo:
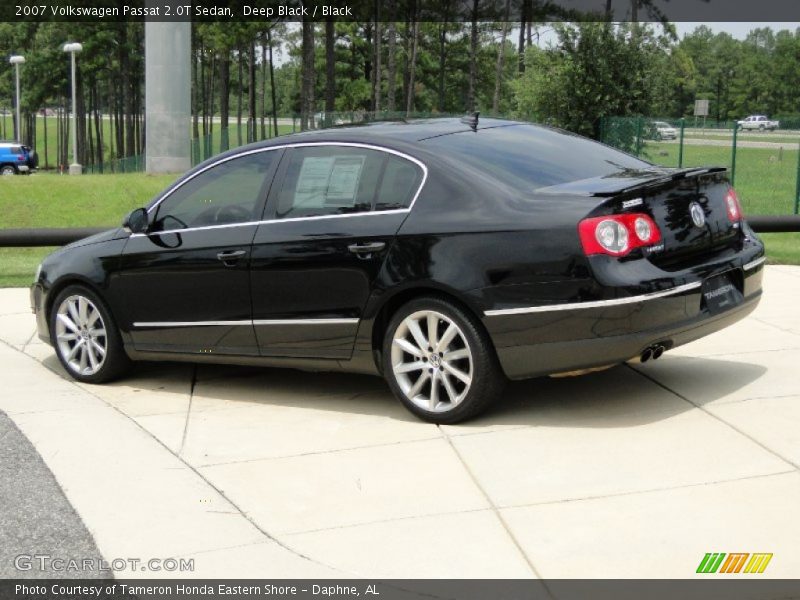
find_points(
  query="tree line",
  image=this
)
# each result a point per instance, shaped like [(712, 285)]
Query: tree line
[(570, 74)]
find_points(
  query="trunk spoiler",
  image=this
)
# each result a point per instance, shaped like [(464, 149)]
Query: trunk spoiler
[(620, 183)]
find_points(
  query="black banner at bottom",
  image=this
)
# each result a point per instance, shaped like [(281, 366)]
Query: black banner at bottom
[(401, 589)]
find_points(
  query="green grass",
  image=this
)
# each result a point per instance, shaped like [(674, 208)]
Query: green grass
[(765, 180), (48, 200), (782, 248)]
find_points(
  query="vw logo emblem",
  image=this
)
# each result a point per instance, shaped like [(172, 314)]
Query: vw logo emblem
[(697, 214)]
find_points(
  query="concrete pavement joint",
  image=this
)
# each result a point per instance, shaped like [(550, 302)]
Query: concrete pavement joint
[(188, 409), (778, 327), (30, 339), (388, 520), (315, 453), (723, 354), (492, 505), (647, 491), (221, 493), (718, 418)]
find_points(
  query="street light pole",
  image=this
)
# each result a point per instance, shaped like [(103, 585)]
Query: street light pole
[(17, 61), (75, 167)]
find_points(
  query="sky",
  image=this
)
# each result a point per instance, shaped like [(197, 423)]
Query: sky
[(737, 30)]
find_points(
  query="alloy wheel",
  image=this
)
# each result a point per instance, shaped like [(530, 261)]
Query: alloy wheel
[(432, 361), (81, 335)]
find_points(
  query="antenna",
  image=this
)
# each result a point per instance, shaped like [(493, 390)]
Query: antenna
[(471, 120)]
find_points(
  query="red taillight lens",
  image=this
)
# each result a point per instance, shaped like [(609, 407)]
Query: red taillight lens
[(617, 235), (20, 157), (733, 206)]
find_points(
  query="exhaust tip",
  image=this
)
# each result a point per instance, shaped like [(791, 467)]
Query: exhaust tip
[(657, 352), (646, 355)]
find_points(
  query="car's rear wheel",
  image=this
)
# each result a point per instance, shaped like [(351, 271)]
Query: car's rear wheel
[(7, 170), (439, 362), (85, 337)]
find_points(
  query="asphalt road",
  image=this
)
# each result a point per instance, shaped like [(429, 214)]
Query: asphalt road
[(36, 518)]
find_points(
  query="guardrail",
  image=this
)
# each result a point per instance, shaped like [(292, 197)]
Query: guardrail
[(59, 236)]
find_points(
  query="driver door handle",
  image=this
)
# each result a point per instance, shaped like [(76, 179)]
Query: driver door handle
[(231, 257), (366, 248)]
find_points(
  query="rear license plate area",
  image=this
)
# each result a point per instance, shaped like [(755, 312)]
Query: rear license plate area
[(721, 293)]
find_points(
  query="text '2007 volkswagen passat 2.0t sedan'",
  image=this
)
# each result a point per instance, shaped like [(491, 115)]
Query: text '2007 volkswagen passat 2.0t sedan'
[(446, 255)]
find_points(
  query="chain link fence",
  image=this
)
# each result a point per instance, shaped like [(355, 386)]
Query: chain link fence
[(764, 165)]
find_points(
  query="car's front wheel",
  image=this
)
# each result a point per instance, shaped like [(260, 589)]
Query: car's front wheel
[(439, 362), (85, 337)]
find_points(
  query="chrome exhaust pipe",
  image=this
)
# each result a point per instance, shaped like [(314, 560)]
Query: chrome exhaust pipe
[(646, 355), (657, 352)]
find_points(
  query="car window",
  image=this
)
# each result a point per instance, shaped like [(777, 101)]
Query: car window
[(330, 180), (399, 184), (528, 157), (229, 192)]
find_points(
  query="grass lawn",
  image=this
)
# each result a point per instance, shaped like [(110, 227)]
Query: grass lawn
[(49, 200), (765, 181)]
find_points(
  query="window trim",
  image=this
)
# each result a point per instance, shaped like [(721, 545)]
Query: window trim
[(172, 190)]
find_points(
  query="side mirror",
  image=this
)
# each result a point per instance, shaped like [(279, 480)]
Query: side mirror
[(136, 221)]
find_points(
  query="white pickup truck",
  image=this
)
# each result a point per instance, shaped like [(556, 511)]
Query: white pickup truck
[(759, 122)]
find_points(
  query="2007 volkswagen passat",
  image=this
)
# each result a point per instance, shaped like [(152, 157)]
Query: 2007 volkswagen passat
[(445, 255)]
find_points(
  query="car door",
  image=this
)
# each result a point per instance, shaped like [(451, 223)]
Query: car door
[(185, 283), (331, 219)]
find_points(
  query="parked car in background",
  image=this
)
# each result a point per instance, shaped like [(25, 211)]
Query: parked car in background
[(444, 255), (16, 158), (758, 122), (663, 131)]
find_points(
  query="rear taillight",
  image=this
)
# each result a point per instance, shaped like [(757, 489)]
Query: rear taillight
[(732, 206), (617, 235), (20, 157)]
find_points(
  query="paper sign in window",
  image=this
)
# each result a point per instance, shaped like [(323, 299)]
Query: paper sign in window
[(328, 180)]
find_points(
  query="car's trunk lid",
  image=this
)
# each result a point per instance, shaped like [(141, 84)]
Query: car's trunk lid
[(670, 197)]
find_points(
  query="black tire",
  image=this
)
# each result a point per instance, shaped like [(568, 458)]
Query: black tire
[(113, 364), (482, 368), (8, 170)]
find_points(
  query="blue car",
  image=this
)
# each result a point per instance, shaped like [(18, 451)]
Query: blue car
[(16, 158)]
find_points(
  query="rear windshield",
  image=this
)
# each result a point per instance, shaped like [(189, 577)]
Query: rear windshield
[(529, 157)]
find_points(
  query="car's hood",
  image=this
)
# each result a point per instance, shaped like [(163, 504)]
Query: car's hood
[(103, 236)]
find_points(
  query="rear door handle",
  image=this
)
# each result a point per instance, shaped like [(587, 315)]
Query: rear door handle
[(363, 249), (231, 257)]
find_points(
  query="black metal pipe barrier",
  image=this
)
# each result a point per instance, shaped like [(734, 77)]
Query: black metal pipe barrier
[(59, 237), (45, 237), (774, 224)]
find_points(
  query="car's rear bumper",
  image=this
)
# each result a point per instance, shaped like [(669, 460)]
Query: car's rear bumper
[(592, 334), (23, 168)]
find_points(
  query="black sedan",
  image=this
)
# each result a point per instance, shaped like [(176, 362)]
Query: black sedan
[(446, 255)]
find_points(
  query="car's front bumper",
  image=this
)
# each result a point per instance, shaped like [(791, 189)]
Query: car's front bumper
[(37, 307), (593, 334)]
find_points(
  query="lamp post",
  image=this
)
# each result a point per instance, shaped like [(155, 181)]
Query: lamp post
[(74, 168), (17, 61)]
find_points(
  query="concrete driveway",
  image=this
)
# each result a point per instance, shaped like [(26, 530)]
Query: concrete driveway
[(633, 472)]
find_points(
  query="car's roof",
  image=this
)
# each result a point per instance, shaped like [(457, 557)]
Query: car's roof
[(403, 131)]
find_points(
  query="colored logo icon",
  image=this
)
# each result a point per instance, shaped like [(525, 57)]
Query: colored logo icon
[(737, 562)]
